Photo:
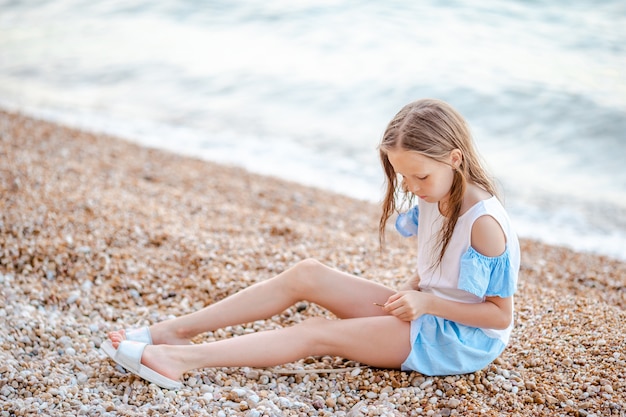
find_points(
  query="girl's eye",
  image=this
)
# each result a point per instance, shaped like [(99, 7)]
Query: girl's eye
[(421, 178)]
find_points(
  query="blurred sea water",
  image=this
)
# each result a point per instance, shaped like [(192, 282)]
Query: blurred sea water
[(303, 90)]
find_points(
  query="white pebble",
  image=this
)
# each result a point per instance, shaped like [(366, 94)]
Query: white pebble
[(83, 249), (284, 402), (426, 383), (240, 392), (454, 402), (74, 295), (86, 287)]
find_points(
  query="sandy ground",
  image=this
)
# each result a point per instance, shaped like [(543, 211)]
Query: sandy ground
[(97, 233)]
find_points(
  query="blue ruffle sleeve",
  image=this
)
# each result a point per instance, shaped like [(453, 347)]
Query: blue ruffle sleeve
[(484, 276), (406, 223)]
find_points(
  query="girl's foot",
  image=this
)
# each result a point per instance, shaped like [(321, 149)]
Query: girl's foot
[(159, 332), (160, 360)]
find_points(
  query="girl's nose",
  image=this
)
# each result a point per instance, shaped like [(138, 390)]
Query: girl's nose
[(413, 187)]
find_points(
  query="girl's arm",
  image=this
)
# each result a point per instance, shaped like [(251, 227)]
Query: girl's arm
[(493, 313)]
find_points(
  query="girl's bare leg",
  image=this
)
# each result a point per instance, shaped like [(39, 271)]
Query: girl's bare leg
[(376, 341), (345, 295)]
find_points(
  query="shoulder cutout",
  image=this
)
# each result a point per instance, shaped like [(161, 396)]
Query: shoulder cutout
[(488, 237)]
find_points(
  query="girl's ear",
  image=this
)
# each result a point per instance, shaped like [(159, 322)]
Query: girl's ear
[(456, 158)]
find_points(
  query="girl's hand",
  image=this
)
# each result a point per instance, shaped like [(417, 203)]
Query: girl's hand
[(407, 305)]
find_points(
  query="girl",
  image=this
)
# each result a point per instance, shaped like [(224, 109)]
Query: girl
[(455, 316)]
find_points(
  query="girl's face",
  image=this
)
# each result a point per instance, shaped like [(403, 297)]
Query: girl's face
[(425, 177)]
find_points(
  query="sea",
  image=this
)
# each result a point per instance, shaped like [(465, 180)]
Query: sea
[(303, 90)]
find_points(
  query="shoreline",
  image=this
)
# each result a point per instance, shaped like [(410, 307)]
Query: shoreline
[(555, 219), (98, 233)]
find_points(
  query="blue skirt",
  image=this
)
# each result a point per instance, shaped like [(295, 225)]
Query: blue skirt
[(443, 347)]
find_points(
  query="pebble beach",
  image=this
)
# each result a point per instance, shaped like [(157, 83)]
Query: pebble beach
[(97, 233)]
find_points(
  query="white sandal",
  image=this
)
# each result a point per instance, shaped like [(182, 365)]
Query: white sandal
[(128, 355)]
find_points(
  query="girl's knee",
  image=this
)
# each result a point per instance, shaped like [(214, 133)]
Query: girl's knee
[(309, 266), (301, 280), (302, 275)]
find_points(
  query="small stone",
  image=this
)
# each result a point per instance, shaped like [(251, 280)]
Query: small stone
[(253, 399), (252, 374), (318, 403), (426, 383), (453, 402), (73, 297), (551, 400), (239, 392), (86, 287), (83, 249)]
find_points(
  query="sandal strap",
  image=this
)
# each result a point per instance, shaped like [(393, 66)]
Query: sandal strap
[(129, 354), (141, 334)]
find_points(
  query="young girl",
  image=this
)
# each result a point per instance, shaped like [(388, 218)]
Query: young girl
[(453, 317)]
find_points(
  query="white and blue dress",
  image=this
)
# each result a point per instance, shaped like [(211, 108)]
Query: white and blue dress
[(444, 347)]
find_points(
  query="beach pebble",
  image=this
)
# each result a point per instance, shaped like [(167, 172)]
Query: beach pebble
[(73, 297), (453, 402)]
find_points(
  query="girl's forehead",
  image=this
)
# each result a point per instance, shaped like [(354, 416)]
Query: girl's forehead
[(408, 160)]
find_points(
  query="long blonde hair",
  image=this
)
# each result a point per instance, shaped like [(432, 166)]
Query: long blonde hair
[(434, 129)]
